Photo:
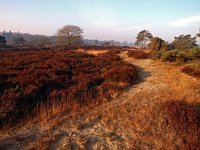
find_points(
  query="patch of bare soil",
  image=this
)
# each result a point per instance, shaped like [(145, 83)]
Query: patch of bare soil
[(134, 120)]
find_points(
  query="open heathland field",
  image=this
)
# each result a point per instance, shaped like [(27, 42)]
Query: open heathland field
[(96, 100), (44, 83)]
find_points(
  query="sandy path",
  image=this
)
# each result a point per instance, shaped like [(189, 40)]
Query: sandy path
[(132, 121)]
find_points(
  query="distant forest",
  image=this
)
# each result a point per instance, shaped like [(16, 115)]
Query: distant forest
[(37, 40)]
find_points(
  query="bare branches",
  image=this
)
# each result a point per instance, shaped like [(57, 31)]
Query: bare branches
[(69, 35)]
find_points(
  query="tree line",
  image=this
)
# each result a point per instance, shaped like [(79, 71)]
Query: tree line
[(72, 35), (181, 42), (68, 35)]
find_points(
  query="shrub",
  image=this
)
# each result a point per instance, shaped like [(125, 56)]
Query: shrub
[(33, 82), (113, 52), (125, 74), (192, 69), (187, 70), (194, 53), (157, 44), (177, 55), (169, 56), (196, 73), (138, 54), (184, 119), (188, 55), (158, 54)]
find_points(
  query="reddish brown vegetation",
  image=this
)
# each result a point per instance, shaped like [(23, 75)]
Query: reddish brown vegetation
[(113, 52), (138, 54), (36, 79), (184, 118), (191, 71), (124, 74)]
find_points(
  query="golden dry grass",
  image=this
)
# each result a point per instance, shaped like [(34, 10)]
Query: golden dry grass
[(93, 52)]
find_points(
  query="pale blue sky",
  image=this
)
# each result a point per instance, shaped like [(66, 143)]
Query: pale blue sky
[(103, 19)]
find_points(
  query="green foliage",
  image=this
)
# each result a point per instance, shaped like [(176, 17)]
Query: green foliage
[(157, 44), (194, 53), (188, 55), (178, 55), (194, 64), (182, 56), (142, 37), (193, 68), (169, 56), (184, 42), (158, 54)]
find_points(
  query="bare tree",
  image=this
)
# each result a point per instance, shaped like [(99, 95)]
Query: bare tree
[(69, 35)]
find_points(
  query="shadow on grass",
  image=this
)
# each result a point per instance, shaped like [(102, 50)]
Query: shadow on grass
[(141, 77)]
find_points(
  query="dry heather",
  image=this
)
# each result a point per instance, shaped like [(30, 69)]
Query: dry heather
[(191, 71), (138, 54), (42, 84), (160, 112)]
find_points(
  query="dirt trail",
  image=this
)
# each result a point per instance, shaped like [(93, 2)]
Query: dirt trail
[(132, 121)]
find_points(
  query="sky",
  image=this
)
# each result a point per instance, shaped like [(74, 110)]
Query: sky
[(119, 20)]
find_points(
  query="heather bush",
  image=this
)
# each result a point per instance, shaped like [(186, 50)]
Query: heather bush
[(138, 54), (184, 119), (187, 69), (123, 74), (67, 79)]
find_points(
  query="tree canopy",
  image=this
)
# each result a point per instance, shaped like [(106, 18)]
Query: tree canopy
[(19, 41), (198, 34), (157, 44), (69, 35), (142, 37), (183, 42), (2, 41)]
